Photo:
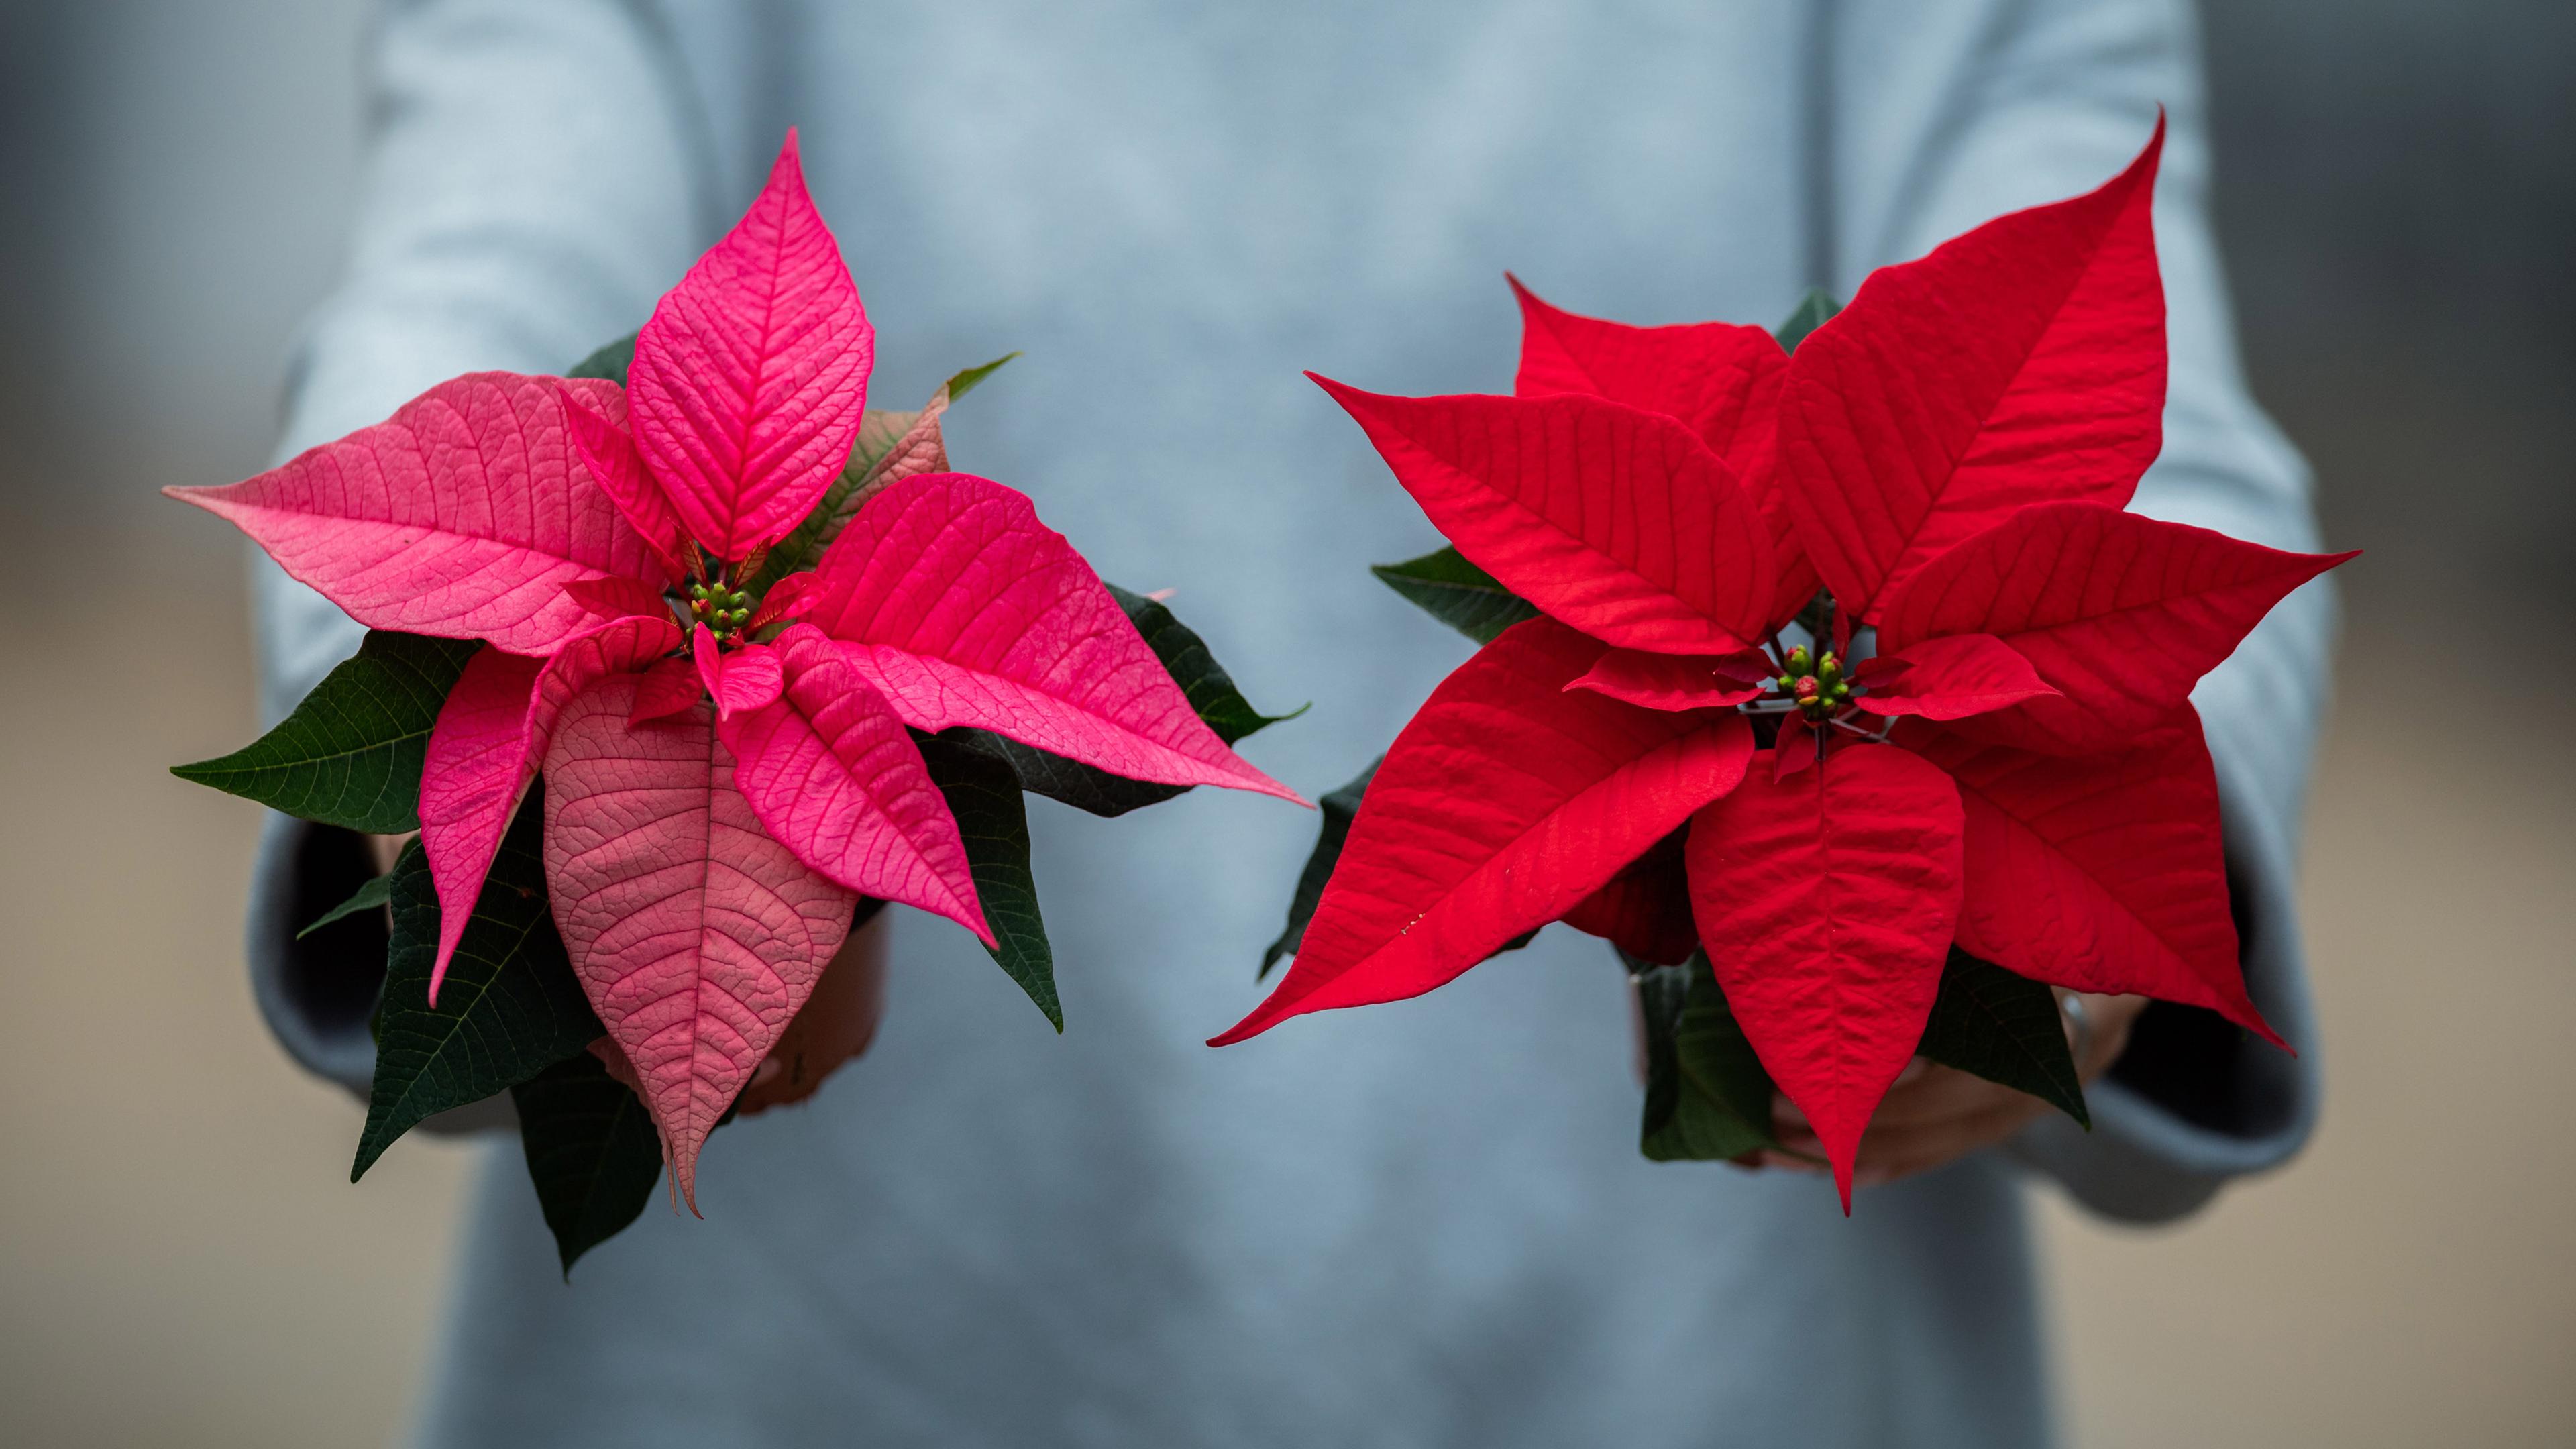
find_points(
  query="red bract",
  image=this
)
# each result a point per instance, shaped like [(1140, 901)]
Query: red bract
[(2016, 768), (715, 803)]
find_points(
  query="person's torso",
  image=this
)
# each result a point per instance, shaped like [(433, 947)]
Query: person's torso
[(1422, 1223)]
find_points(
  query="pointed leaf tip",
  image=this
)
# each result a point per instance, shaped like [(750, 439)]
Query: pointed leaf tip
[(1949, 678), (2118, 613), (351, 753), (1720, 380), (597, 421), (833, 774), (1457, 593), (1613, 519), (694, 972), (1186, 657), (749, 382), (1337, 808), (512, 1006), (2103, 872), (592, 1152), (983, 795), (484, 750), (961, 607), (1504, 804), (479, 546), (2020, 363), (961, 383), (1836, 892), (375, 892), (2005, 1028)]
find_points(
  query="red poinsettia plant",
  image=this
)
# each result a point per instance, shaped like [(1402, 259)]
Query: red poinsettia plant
[(1839, 660), (761, 648)]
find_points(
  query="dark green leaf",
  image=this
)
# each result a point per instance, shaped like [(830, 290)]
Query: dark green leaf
[(1337, 808), (960, 384), (510, 1006), (1814, 310), (609, 362), (367, 897), (592, 1152), (350, 754), (1081, 786), (1457, 593), (1185, 657), (1707, 1097), (984, 795), (2005, 1028)]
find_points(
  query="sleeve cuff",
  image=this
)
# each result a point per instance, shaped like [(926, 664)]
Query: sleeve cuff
[(316, 993), (2188, 1106)]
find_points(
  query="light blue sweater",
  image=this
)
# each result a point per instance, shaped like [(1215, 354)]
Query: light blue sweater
[(1421, 1224)]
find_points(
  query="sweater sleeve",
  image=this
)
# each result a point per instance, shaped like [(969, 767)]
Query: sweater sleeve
[(535, 175), (2043, 100)]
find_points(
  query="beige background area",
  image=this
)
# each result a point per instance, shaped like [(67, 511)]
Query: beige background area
[(182, 1261)]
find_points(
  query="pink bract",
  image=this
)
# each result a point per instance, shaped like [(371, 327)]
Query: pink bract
[(715, 803)]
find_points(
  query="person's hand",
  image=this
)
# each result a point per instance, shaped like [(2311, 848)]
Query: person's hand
[(837, 1023), (1935, 1114)]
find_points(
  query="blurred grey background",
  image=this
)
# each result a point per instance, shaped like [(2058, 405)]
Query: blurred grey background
[(181, 1261)]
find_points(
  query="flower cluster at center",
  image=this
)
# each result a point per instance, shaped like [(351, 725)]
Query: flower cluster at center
[(1815, 684), (724, 608)]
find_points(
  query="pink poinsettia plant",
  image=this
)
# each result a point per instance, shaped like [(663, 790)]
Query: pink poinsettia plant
[(1981, 738), (726, 745)]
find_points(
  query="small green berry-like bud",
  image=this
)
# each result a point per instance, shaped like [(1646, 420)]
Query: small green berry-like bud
[(1786, 682), (1797, 660), (1842, 691), (1829, 668), (698, 592)]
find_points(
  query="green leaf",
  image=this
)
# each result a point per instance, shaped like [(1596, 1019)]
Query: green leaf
[(592, 1152), (984, 795), (1814, 310), (509, 1009), (1081, 786), (367, 897), (1185, 657), (350, 754), (1457, 593), (1707, 1096), (609, 362), (2005, 1028), (1338, 808), (960, 384)]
